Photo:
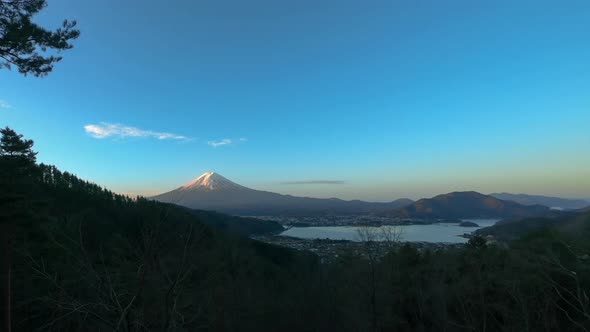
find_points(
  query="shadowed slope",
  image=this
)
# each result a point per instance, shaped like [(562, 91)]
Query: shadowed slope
[(468, 204)]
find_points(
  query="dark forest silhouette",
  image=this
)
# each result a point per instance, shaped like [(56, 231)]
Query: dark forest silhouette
[(87, 259)]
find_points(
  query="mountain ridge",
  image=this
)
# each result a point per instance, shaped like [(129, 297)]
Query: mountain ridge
[(465, 204), (212, 191), (549, 201)]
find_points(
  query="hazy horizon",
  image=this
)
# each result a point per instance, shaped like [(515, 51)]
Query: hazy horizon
[(373, 101), (344, 190)]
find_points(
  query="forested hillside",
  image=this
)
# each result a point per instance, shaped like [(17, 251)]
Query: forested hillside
[(80, 258), (79, 193), (571, 223), (468, 204)]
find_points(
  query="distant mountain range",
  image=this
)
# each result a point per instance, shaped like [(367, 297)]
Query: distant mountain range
[(468, 204), (552, 202), (212, 191)]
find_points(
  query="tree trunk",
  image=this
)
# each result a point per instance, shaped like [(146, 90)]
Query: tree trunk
[(373, 298), (7, 231)]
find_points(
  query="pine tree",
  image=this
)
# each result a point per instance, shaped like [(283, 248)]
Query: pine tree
[(24, 44), (17, 175)]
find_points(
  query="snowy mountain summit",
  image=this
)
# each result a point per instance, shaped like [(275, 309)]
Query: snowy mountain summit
[(211, 181)]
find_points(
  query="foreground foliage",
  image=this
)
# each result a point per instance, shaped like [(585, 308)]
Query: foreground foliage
[(24, 44)]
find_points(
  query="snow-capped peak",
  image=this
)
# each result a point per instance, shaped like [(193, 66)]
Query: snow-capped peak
[(211, 181)]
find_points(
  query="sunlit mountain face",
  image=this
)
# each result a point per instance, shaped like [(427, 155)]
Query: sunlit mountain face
[(211, 181)]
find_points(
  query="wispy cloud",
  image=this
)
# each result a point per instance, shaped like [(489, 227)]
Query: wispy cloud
[(105, 130), (5, 105), (223, 142), (315, 182), (226, 142)]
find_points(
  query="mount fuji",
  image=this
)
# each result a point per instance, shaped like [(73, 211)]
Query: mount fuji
[(211, 191)]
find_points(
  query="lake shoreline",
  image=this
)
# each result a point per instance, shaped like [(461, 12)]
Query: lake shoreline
[(450, 232)]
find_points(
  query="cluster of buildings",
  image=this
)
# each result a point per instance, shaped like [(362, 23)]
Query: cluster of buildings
[(332, 250), (346, 220)]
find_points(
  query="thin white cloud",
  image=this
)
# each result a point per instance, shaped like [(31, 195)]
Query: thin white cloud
[(5, 105), (243, 139), (315, 182), (223, 142), (105, 130)]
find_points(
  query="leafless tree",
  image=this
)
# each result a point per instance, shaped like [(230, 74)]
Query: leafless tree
[(375, 242)]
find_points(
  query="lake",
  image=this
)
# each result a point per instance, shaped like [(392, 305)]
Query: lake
[(440, 232)]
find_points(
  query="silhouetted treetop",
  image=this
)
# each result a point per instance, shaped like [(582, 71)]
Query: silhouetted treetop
[(17, 157), (25, 44)]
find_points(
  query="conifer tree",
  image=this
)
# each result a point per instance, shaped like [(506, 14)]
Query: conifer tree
[(24, 44), (17, 175)]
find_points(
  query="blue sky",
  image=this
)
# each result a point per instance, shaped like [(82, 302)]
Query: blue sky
[(392, 98)]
